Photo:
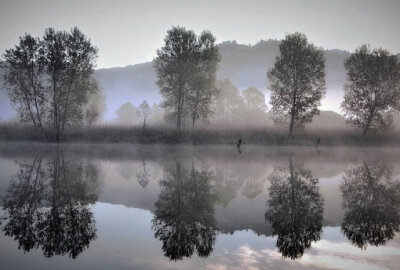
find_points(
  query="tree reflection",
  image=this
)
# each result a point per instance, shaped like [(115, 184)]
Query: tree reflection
[(294, 209), (142, 174), (184, 216), (46, 205), (371, 200)]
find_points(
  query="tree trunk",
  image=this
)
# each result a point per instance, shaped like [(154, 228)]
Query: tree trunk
[(193, 121), (368, 125), (291, 127)]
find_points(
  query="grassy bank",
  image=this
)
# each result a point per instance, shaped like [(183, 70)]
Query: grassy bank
[(162, 135)]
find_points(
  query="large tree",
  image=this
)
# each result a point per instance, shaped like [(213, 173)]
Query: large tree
[(186, 67), (203, 89), (24, 81), (297, 82), (68, 60), (50, 79), (372, 91)]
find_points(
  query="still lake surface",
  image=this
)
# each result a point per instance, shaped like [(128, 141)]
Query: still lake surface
[(120, 206)]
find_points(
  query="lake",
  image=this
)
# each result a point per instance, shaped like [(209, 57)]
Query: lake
[(120, 206)]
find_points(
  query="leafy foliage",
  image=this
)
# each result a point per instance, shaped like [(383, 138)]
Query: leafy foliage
[(372, 91), (50, 79), (297, 82)]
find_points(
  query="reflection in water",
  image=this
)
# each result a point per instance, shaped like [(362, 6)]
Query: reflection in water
[(371, 200), (184, 216), (46, 205), (294, 209), (142, 174)]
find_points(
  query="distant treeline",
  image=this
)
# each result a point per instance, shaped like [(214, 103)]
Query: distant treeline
[(50, 82)]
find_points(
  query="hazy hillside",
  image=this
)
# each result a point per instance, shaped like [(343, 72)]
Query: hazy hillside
[(244, 65)]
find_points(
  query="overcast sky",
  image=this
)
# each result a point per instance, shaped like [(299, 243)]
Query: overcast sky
[(129, 32)]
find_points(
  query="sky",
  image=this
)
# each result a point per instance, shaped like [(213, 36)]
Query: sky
[(130, 32)]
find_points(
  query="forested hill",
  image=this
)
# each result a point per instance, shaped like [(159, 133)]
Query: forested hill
[(243, 65)]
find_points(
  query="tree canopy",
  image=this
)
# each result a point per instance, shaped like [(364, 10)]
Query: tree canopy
[(297, 82), (372, 90), (186, 70), (49, 79)]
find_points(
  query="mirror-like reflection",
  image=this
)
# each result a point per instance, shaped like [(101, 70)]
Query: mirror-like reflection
[(295, 209), (184, 216), (46, 205), (371, 200), (198, 207)]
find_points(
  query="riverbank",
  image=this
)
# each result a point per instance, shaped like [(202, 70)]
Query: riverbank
[(165, 135)]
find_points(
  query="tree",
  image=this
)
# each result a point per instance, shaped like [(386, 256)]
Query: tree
[(185, 68), (297, 82), (50, 79), (203, 89), (157, 114), (174, 67), (24, 80), (127, 114), (371, 203), (68, 60), (372, 91), (228, 101), (295, 209), (144, 112), (254, 100)]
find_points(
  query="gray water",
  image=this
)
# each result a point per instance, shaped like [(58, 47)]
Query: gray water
[(194, 207)]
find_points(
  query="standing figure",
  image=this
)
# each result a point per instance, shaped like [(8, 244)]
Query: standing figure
[(239, 143)]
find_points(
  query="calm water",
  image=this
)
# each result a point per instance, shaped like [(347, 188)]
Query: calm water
[(164, 207)]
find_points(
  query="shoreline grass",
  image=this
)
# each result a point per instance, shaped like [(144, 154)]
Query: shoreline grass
[(202, 136)]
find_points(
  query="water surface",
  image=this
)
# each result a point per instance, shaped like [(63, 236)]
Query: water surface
[(194, 207)]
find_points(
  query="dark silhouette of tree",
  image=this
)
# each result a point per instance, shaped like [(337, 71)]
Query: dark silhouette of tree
[(50, 79), (371, 200), (203, 89), (297, 82), (24, 81), (295, 209), (184, 216), (372, 91), (46, 206), (186, 68)]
